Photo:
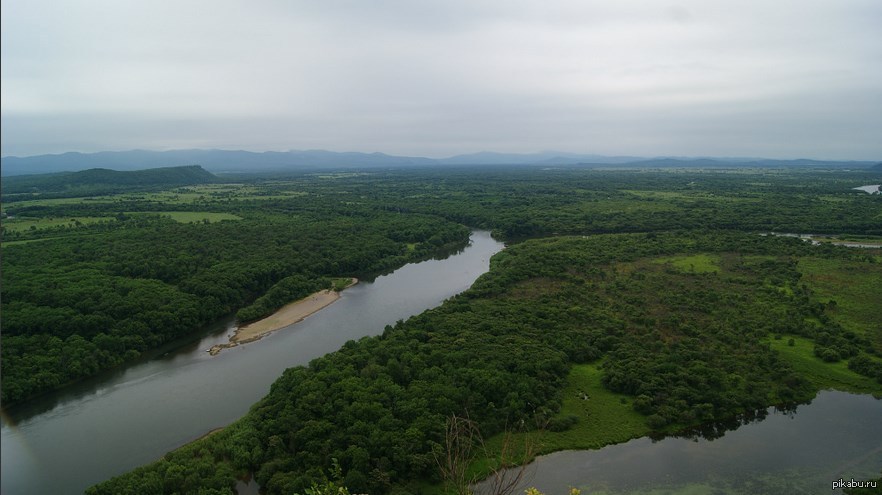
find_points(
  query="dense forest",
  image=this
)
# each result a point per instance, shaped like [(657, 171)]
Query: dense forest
[(661, 279), (78, 304), (689, 343)]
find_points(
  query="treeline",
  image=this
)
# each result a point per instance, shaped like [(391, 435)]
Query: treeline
[(525, 203), (687, 346), (518, 203), (100, 181), (77, 305)]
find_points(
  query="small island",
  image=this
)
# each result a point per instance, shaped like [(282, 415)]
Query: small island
[(287, 315)]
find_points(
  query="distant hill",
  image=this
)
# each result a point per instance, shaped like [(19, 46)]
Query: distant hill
[(277, 161), (100, 180), (213, 160), (543, 158), (746, 163)]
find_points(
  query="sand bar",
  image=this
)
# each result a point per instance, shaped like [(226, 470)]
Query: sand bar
[(287, 315)]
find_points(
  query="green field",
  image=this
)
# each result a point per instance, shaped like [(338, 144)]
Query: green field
[(192, 216), (25, 241), (823, 375), (57, 202), (52, 227), (604, 417), (25, 224), (196, 194)]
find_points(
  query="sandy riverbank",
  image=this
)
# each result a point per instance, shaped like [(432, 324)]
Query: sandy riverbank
[(287, 315)]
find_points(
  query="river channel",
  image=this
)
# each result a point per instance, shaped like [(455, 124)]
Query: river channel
[(68, 441)]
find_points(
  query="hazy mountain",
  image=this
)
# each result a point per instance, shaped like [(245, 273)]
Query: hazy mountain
[(214, 160), (542, 158), (247, 161)]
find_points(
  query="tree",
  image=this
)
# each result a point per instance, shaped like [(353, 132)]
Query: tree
[(461, 442)]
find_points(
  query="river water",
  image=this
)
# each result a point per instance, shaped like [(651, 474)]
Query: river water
[(871, 189), (68, 441), (837, 436)]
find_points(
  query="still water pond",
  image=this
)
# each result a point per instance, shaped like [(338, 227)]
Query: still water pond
[(837, 436), (68, 441)]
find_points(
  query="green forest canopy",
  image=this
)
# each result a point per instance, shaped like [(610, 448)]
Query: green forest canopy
[(501, 353), (95, 295)]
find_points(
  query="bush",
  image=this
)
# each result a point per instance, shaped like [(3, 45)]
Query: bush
[(562, 424)]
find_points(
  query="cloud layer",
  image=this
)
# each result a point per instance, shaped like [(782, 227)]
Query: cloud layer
[(731, 78)]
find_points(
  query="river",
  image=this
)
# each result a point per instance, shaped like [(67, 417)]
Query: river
[(871, 189), (67, 441), (837, 436)]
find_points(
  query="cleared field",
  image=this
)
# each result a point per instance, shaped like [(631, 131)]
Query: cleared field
[(59, 201), (197, 194), (192, 216), (25, 224), (25, 241), (53, 228)]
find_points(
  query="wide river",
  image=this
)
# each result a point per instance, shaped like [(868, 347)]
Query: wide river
[(92, 431)]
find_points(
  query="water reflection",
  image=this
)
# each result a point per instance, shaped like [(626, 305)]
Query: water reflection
[(714, 430), (779, 450)]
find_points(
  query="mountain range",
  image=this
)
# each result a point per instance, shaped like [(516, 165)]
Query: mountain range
[(231, 161)]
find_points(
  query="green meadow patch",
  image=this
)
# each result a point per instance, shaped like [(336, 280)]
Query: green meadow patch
[(602, 417), (192, 216), (823, 375), (598, 417), (197, 194), (852, 291), (24, 241), (58, 201), (27, 224)]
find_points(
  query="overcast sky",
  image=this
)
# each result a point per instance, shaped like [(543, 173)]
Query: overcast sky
[(779, 79)]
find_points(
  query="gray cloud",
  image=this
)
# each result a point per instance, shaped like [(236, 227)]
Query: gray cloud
[(780, 79)]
